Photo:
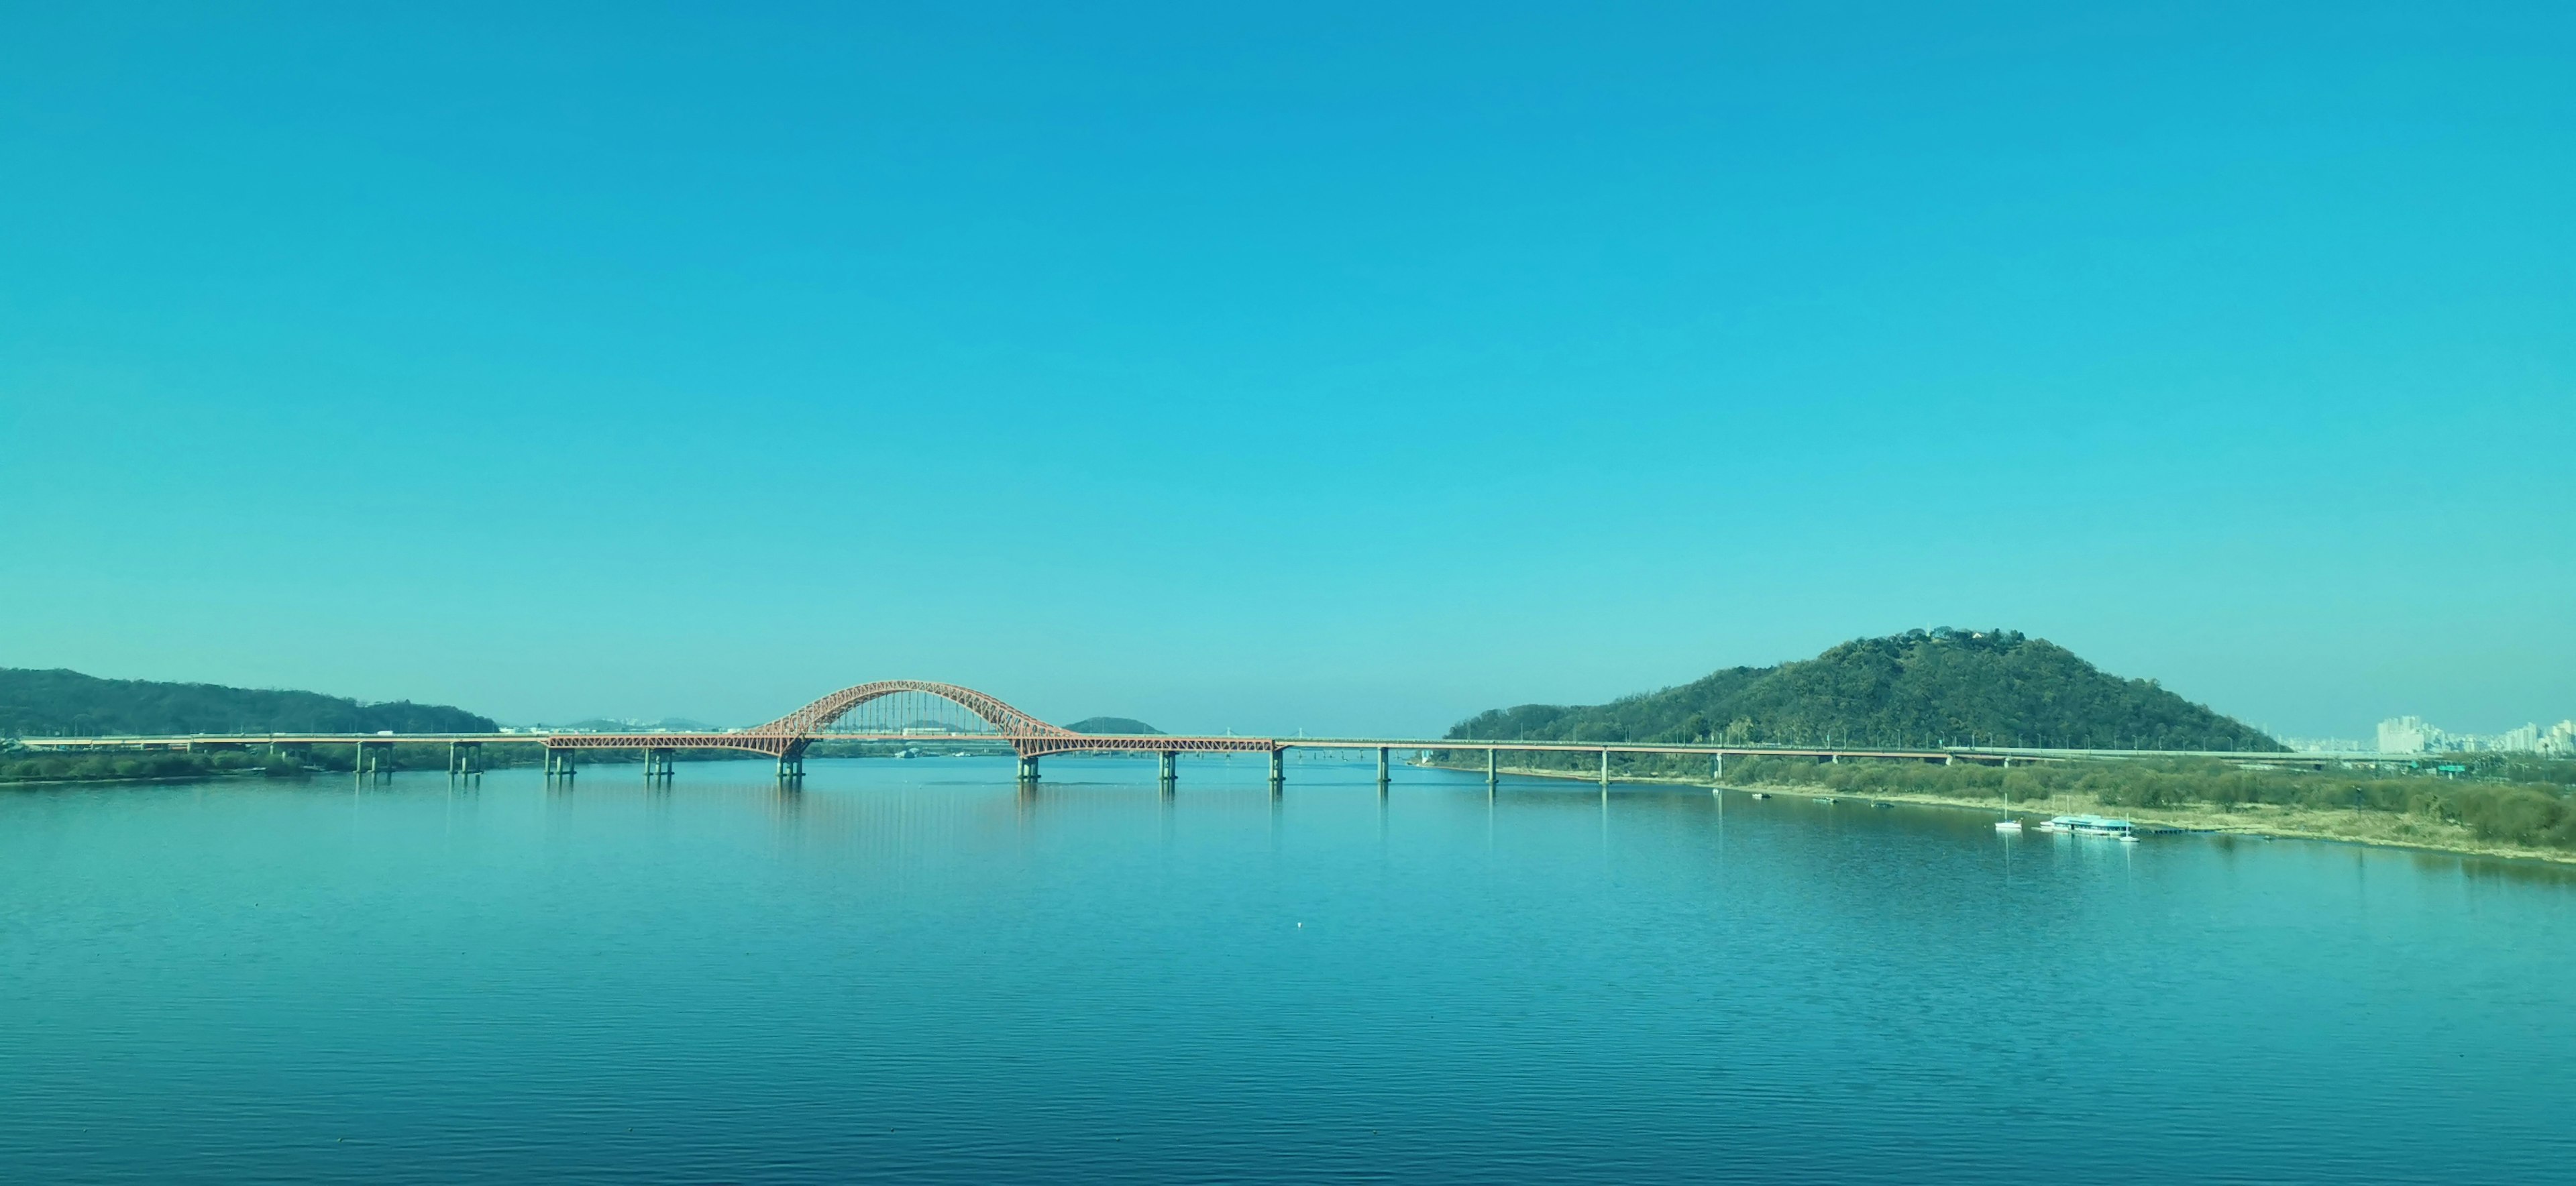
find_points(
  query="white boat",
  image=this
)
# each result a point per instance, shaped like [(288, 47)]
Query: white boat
[(2090, 825), (2008, 825)]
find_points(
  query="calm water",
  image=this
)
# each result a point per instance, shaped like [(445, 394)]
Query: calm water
[(910, 971)]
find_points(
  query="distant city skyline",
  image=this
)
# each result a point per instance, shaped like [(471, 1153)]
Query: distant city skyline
[(1356, 372), (2411, 735)]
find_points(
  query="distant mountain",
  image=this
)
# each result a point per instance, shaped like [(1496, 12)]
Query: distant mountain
[(1920, 688), (56, 703), (623, 725), (1128, 726)]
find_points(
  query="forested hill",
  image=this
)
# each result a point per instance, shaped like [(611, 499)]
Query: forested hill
[(1128, 726), (1920, 688), (59, 703)]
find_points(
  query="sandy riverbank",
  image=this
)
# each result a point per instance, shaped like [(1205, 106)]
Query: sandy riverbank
[(2383, 828)]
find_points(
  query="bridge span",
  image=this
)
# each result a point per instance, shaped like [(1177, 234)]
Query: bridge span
[(787, 739)]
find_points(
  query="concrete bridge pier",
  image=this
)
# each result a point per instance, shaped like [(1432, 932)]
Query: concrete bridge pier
[(1490, 769), (370, 764), (1605, 772), (1278, 769), (464, 759), (791, 765), (1381, 767), (1716, 771), (657, 763), (1171, 767), (559, 764), (1028, 768)]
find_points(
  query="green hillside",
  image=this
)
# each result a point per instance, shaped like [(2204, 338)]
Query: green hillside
[(67, 703), (1113, 726), (1920, 688)]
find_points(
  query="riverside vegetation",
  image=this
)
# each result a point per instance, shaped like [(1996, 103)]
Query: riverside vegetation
[(2510, 805), (1928, 688), (23, 765)]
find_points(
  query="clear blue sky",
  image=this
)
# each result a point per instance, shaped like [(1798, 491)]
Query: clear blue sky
[(1331, 368)]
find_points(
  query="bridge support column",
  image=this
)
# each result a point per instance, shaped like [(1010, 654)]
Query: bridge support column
[(1381, 766), (464, 759), (1605, 771), (792, 765), (1028, 768), (1490, 768), (1278, 768), (1171, 766), (657, 764), (1716, 770), (559, 763)]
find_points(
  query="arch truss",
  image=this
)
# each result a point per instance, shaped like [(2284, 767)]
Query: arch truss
[(788, 737)]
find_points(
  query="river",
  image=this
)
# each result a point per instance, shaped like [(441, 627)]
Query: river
[(913, 971)]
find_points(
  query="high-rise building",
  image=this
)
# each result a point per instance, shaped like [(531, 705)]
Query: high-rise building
[(2406, 735), (2410, 735)]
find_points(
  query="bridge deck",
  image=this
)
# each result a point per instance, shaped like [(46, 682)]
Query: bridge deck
[(771, 743)]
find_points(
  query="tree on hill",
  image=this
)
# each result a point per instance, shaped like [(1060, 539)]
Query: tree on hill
[(1113, 726), (67, 703), (1920, 688)]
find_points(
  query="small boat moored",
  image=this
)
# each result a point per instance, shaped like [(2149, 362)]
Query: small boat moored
[(2091, 825), (2008, 825)]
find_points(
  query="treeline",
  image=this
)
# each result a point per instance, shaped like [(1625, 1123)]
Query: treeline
[(1920, 688), (2537, 813), (23, 765), (62, 703), (2500, 798)]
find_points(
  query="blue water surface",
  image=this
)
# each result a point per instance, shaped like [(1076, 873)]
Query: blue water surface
[(915, 971)]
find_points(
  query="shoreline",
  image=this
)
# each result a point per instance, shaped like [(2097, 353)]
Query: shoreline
[(2379, 829)]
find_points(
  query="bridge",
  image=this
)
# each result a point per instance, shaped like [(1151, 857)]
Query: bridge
[(917, 711)]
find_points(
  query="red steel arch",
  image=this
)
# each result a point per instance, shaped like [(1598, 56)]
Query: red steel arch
[(815, 717), (787, 737)]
